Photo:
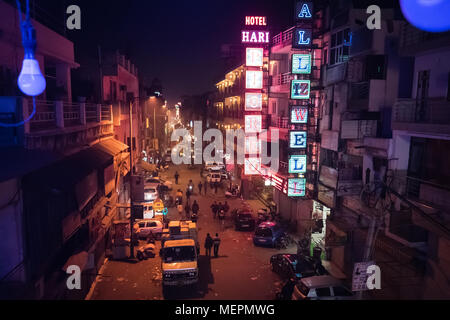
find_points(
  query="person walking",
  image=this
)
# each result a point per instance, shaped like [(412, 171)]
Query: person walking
[(180, 209), (214, 208), (206, 187), (188, 194), (226, 207), (187, 209), (216, 186), (208, 244), (216, 242), (177, 176), (195, 207), (200, 186)]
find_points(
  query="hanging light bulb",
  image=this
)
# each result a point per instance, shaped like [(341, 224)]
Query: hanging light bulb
[(30, 81)]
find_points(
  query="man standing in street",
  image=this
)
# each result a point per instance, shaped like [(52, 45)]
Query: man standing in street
[(200, 186), (216, 242), (177, 175), (214, 208), (208, 245)]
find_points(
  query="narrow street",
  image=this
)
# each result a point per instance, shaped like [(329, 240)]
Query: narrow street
[(239, 260)]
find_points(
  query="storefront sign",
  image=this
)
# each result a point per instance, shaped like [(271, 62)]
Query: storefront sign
[(253, 145), (253, 166), (255, 21), (304, 10), (297, 164), (300, 89), (253, 101), (253, 123), (297, 139), (301, 63), (299, 115), (261, 37), (254, 57), (254, 79), (296, 187), (302, 38)]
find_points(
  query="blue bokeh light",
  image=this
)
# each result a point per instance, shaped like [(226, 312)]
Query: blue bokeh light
[(427, 15)]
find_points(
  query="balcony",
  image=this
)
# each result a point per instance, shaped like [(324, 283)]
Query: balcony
[(433, 116), (367, 95), (281, 83), (282, 42)]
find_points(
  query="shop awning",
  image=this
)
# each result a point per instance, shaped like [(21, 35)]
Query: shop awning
[(111, 146)]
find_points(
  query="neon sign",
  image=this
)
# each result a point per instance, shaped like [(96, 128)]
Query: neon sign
[(299, 115), (297, 139), (255, 37), (296, 187), (252, 166), (253, 145), (302, 38), (253, 123), (255, 21), (301, 63), (253, 101), (297, 164), (300, 89), (255, 57), (254, 79), (304, 10)]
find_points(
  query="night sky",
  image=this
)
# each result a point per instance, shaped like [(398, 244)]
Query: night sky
[(177, 41)]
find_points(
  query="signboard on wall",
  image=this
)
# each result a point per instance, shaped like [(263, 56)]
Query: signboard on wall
[(300, 89), (253, 123), (254, 79), (254, 57), (297, 164), (253, 101), (299, 115), (252, 166), (253, 145), (296, 187), (302, 38), (297, 139), (256, 37), (304, 10), (301, 63)]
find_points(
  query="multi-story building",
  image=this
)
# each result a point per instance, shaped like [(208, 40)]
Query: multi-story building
[(60, 173)]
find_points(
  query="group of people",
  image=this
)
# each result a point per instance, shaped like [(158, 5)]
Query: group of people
[(217, 207), (212, 243)]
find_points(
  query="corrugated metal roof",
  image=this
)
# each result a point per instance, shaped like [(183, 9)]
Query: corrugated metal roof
[(111, 146)]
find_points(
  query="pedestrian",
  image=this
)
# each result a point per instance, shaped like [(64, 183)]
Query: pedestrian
[(188, 194), (214, 208), (216, 186), (187, 209), (200, 186), (216, 242), (206, 187), (180, 209), (195, 207), (226, 207), (177, 175), (208, 245)]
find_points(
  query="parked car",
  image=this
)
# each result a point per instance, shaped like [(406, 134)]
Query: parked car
[(143, 228), (210, 165), (321, 288), (267, 234), (244, 220), (289, 266), (150, 194), (214, 177)]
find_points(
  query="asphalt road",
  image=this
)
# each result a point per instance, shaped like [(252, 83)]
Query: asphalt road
[(241, 272)]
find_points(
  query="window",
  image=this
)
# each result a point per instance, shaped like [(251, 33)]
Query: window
[(323, 292), (274, 108), (152, 225), (142, 225), (340, 45)]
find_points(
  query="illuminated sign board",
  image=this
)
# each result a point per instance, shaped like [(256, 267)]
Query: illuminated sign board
[(297, 164), (304, 10), (296, 187), (302, 38), (297, 139), (253, 145), (301, 63), (255, 21), (255, 57), (252, 166), (299, 115), (300, 89), (254, 79), (253, 123), (253, 101), (262, 37)]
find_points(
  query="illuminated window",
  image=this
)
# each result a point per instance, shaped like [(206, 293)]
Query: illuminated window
[(340, 46)]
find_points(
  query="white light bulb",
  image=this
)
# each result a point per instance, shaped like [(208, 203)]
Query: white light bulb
[(31, 81)]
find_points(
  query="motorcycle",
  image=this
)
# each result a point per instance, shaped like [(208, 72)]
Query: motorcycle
[(194, 217), (282, 242), (221, 214), (232, 193), (146, 251)]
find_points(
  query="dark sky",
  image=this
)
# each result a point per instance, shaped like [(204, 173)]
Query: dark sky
[(176, 41)]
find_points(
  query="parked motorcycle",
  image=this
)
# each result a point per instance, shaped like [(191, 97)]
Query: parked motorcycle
[(146, 251)]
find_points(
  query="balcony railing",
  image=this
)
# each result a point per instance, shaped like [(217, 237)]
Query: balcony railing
[(432, 111), (283, 38)]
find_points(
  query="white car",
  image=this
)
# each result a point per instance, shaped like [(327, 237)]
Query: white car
[(143, 228), (214, 177), (215, 165), (150, 194), (321, 288)]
